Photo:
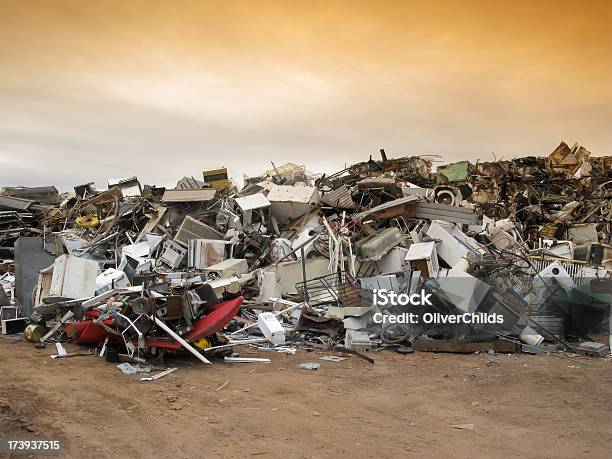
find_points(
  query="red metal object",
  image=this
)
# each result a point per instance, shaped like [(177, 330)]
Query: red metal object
[(86, 332), (215, 320), (163, 343), (208, 325)]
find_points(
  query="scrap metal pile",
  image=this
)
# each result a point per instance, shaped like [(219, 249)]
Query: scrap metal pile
[(292, 259)]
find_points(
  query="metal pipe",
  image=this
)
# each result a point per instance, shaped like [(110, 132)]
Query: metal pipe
[(303, 260), (183, 343)]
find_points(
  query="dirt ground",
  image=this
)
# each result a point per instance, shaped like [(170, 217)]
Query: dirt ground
[(402, 406)]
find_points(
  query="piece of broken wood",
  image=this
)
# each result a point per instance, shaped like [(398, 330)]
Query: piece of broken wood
[(222, 386)]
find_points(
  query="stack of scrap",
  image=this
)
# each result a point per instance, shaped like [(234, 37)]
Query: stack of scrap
[(294, 258)]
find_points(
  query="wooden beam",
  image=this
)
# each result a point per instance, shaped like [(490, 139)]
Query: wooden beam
[(462, 347)]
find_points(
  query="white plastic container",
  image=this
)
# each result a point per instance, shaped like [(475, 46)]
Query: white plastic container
[(531, 337), (271, 328)]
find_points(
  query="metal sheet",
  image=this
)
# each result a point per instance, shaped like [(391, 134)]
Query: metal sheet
[(202, 195), (255, 201), (295, 194), (30, 258), (10, 202), (452, 214), (42, 194)]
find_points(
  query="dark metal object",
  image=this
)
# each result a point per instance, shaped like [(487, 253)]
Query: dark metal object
[(339, 288), (112, 354), (358, 354), (30, 258), (404, 350), (141, 306)]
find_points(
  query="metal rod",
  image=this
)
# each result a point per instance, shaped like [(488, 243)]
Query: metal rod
[(303, 260), (183, 343)]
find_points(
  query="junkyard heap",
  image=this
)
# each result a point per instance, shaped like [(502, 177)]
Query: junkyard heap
[(295, 260)]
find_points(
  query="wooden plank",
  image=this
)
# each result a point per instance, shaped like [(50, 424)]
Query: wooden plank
[(462, 347)]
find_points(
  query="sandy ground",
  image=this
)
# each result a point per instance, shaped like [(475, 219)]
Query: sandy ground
[(402, 406)]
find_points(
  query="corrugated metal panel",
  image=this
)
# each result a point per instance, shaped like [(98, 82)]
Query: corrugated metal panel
[(340, 198), (202, 195)]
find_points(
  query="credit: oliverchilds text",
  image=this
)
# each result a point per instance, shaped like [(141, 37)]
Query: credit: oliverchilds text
[(383, 297)]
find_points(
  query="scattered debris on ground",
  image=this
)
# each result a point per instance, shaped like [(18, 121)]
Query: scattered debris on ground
[(401, 405)]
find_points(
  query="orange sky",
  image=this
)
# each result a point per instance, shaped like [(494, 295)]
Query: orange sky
[(164, 89)]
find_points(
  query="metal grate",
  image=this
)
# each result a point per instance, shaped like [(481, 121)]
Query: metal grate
[(195, 229), (573, 267), (340, 289)]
